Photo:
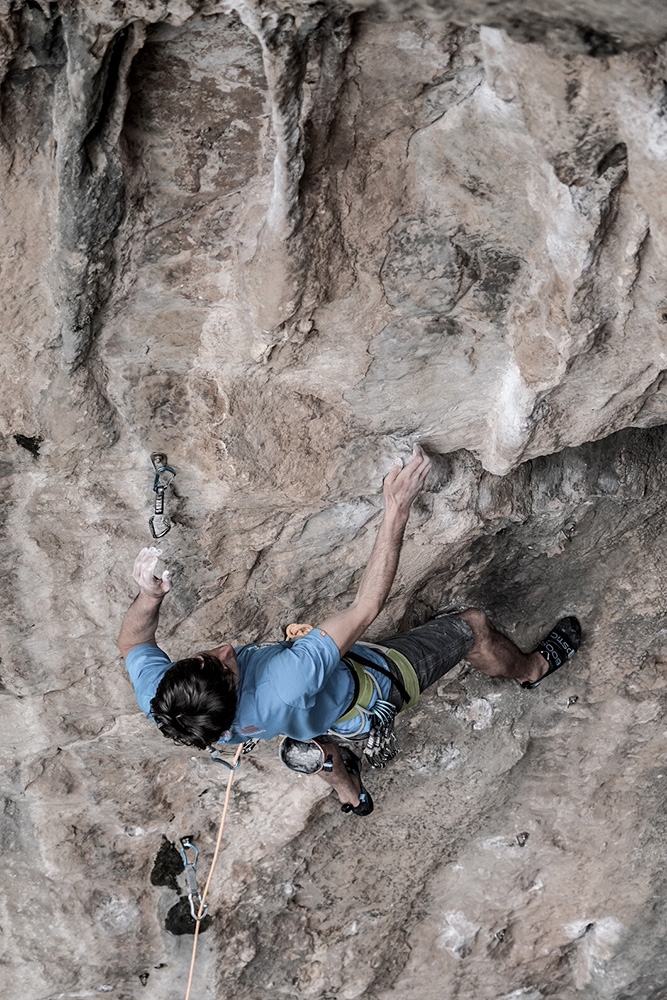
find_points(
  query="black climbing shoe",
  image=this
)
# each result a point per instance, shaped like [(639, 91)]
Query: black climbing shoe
[(353, 766), (558, 647)]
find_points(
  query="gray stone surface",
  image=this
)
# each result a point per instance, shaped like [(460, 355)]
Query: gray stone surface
[(281, 242)]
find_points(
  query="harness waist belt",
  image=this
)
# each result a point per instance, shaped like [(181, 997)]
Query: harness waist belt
[(400, 671), (364, 689)]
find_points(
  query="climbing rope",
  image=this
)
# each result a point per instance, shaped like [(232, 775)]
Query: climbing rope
[(202, 904)]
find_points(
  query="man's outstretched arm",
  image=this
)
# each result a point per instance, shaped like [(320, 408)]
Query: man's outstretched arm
[(400, 487), (141, 618)]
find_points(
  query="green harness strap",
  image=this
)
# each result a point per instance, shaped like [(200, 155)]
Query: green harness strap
[(367, 688), (408, 676)]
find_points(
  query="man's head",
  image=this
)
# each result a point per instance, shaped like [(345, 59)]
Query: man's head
[(196, 699)]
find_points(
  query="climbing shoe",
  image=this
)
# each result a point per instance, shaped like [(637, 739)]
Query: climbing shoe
[(353, 766), (558, 647)]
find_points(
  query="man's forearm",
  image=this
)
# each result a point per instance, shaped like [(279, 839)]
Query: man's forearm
[(401, 486), (346, 785), (382, 565), (140, 622)]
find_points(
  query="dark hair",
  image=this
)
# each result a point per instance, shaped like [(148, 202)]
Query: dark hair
[(195, 702)]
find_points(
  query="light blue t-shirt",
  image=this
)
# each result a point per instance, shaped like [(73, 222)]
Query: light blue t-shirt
[(298, 690)]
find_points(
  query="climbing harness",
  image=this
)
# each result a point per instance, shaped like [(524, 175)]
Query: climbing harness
[(189, 853), (381, 745), (202, 904), (159, 523)]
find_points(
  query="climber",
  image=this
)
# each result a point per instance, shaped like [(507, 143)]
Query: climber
[(324, 691)]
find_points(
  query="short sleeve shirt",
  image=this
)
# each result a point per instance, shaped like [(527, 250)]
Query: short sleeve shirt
[(297, 690)]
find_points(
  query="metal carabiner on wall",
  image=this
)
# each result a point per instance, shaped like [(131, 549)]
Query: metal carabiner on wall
[(159, 523), (190, 866)]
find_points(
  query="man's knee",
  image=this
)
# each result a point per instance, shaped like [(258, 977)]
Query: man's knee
[(479, 623)]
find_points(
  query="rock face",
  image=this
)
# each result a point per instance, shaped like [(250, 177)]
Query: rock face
[(280, 242)]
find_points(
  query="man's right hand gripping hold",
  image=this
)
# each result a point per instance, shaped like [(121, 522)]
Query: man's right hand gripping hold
[(304, 689)]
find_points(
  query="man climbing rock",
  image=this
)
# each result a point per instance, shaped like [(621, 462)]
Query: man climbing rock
[(324, 690)]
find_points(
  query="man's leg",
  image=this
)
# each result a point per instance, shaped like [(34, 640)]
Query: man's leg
[(496, 656), (436, 647), (491, 652)]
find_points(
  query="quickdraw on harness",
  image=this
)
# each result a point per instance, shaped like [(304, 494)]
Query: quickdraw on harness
[(159, 523), (189, 853)]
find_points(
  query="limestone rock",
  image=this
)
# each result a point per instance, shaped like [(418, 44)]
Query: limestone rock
[(280, 242)]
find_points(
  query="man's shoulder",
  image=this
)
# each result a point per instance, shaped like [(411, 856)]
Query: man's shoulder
[(316, 639), (265, 660), (254, 655), (146, 665), (251, 648), (145, 654)]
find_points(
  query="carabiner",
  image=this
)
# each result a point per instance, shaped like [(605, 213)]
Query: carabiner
[(225, 763), (166, 525), (190, 871), (186, 846), (163, 478)]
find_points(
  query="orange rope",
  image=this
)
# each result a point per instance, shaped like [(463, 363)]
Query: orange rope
[(295, 631), (210, 874)]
